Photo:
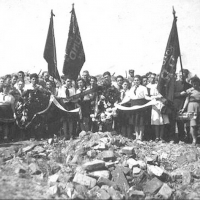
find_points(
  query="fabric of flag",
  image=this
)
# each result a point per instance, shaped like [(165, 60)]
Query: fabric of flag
[(74, 53), (50, 51), (168, 71)]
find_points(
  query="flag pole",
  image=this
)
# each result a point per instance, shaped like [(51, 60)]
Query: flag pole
[(58, 81), (175, 18)]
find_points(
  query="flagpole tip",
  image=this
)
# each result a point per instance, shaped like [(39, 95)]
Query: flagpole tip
[(174, 12), (52, 13), (73, 5)]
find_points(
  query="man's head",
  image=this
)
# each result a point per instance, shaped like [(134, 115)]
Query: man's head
[(21, 75), (14, 79), (81, 83), (131, 72), (195, 81), (184, 75), (34, 78), (7, 79), (137, 80), (120, 80), (144, 80), (85, 75), (107, 78), (45, 75), (152, 78), (68, 82), (126, 85), (93, 81), (20, 84)]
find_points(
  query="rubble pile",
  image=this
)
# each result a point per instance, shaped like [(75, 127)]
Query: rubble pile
[(106, 166)]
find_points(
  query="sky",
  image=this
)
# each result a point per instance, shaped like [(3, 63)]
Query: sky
[(117, 35)]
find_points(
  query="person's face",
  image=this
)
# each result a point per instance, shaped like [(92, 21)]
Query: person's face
[(182, 76), (48, 85), (50, 78), (195, 85), (119, 81), (8, 81), (33, 81), (131, 73), (144, 81), (85, 75), (46, 76), (20, 76), (14, 80), (93, 82), (20, 85), (63, 81), (107, 79), (152, 78), (80, 84), (125, 85), (136, 81), (68, 82)]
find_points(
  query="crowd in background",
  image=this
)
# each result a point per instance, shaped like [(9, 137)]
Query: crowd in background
[(157, 122)]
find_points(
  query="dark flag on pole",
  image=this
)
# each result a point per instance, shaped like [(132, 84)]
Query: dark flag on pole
[(74, 53), (50, 51), (168, 71)]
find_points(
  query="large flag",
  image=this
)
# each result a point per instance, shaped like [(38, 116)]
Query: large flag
[(74, 53), (50, 51), (168, 71)]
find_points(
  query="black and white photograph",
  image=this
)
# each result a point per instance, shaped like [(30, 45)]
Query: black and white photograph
[(100, 99)]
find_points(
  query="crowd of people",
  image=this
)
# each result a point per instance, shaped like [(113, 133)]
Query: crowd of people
[(163, 121)]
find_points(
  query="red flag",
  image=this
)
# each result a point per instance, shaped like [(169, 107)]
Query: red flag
[(168, 71), (50, 51), (74, 53)]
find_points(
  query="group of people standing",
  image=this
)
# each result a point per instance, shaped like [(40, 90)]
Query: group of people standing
[(158, 121)]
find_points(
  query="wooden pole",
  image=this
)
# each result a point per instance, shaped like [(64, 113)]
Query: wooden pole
[(175, 18)]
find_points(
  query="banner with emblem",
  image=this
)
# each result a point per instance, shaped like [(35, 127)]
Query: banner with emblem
[(74, 53), (168, 71), (50, 51)]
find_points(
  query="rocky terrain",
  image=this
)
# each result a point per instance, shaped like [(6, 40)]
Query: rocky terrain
[(99, 166)]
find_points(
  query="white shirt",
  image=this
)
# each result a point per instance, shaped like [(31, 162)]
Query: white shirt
[(153, 89), (6, 99), (138, 93), (86, 97)]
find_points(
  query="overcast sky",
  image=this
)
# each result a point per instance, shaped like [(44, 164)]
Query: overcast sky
[(117, 35)]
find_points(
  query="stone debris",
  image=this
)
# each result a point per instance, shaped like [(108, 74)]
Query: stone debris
[(107, 166), (94, 165), (102, 173), (84, 180), (153, 186), (165, 191), (34, 169)]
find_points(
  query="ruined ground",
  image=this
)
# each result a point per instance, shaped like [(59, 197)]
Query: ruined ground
[(99, 166)]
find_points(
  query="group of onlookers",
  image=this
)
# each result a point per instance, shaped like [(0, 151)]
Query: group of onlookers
[(158, 122)]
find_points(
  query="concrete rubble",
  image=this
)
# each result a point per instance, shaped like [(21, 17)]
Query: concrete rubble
[(106, 166)]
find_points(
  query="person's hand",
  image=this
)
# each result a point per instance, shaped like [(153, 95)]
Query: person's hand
[(102, 97), (14, 115), (183, 93), (181, 111)]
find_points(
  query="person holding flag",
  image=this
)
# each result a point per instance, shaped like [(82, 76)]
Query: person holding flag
[(167, 77)]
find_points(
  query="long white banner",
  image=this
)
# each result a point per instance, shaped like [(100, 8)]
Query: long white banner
[(150, 103)]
